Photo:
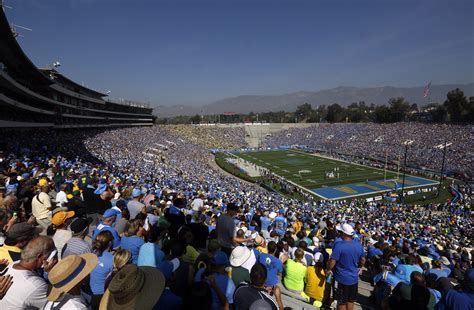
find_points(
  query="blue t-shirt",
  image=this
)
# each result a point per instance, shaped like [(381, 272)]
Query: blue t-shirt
[(404, 271), (273, 265), (373, 251), (347, 255), (168, 300), (226, 286), (265, 221), (101, 272), (150, 255), (438, 273), (455, 300), (133, 244), (102, 227), (280, 224)]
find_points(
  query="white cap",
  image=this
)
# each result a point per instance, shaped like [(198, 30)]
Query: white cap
[(346, 229), (318, 257)]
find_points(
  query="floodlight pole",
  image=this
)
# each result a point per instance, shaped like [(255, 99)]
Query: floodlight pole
[(445, 147), (408, 142)]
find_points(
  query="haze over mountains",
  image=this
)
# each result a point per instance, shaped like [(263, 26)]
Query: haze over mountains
[(342, 95)]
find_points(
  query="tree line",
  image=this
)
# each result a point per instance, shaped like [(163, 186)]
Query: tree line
[(455, 109)]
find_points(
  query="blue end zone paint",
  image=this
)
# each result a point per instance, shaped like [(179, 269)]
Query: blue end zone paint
[(371, 187)]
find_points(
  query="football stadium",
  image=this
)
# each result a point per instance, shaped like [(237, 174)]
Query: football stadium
[(341, 198)]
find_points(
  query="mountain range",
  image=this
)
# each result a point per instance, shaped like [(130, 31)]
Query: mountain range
[(342, 95)]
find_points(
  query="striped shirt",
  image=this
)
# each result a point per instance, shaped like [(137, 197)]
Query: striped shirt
[(76, 246)]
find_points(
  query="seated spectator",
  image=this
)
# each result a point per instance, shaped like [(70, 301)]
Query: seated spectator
[(412, 296), (67, 279), (107, 225), (460, 297), (168, 299), (102, 246), (204, 259), (76, 245), (58, 229), (131, 241), (17, 238), (122, 257), (245, 295), (41, 205), (29, 289), (295, 272)]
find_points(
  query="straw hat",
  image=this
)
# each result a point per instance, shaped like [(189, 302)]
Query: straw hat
[(134, 288), (69, 272)]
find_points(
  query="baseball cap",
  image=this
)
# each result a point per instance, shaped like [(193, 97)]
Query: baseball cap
[(79, 224), (136, 192), (110, 212), (62, 216), (23, 231), (220, 259)]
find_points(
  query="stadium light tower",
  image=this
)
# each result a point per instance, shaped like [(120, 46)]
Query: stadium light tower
[(444, 147), (406, 143)]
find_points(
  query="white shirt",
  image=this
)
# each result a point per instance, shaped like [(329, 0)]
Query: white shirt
[(197, 204), (69, 302), (28, 290), (40, 205), (61, 199)]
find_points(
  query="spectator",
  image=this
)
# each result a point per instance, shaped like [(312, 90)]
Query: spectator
[(17, 239), (295, 272), (77, 245), (273, 265), (346, 259), (316, 281), (238, 257), (58, 229), (122, 257), (134, 206), (107, 225), (245, 295), (460, 297), (41, 205), (134, 288), (29, 289), (67, 278), (150, 253), (98, 277), (131, 241)]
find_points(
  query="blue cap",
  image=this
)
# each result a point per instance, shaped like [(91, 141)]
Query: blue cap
[(220, 259), (100, 188), (136, 192), (110, 212)]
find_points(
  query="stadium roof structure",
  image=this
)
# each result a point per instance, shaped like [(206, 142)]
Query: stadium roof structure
[(32, 97)]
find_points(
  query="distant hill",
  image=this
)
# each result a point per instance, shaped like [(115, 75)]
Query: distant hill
[(342, 95)]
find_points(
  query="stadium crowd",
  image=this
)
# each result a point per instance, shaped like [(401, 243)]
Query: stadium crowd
[(376, 140), (212, 136), (138, 218)]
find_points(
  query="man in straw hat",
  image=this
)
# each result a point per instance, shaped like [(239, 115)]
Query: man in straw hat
[(134, 288), (67, 278)]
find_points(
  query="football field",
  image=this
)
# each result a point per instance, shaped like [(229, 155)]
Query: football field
[(330, 178)]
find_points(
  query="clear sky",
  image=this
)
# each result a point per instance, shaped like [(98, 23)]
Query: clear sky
[(195, 52)]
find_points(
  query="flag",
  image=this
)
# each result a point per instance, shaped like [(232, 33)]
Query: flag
[(426, 91)]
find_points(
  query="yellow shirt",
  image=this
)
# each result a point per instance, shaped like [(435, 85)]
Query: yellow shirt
[(6, 252), (262, 249), (40, 206), (315, 282), (191, 255)]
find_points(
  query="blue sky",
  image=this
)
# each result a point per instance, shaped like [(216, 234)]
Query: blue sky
[(195, 52)]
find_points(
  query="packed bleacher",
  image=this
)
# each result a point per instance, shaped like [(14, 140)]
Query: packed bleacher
[(378, 140), (218, 137), (139, 218)]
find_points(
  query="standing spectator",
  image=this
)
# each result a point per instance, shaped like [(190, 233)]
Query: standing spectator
[(272, 263), (67, 279), (226, 229), (29, 289), (76, 245), (61, 196), (200, 232), (346, 258), (316, 281), (175, 216), (238, 257), (17, 238), (198, 203), (41, 205), (134, 206)]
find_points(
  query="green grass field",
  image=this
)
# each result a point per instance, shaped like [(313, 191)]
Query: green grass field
[(288, 164)]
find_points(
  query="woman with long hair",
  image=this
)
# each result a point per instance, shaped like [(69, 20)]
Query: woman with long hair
[(122, 257), (131, 241), (101, 247)]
